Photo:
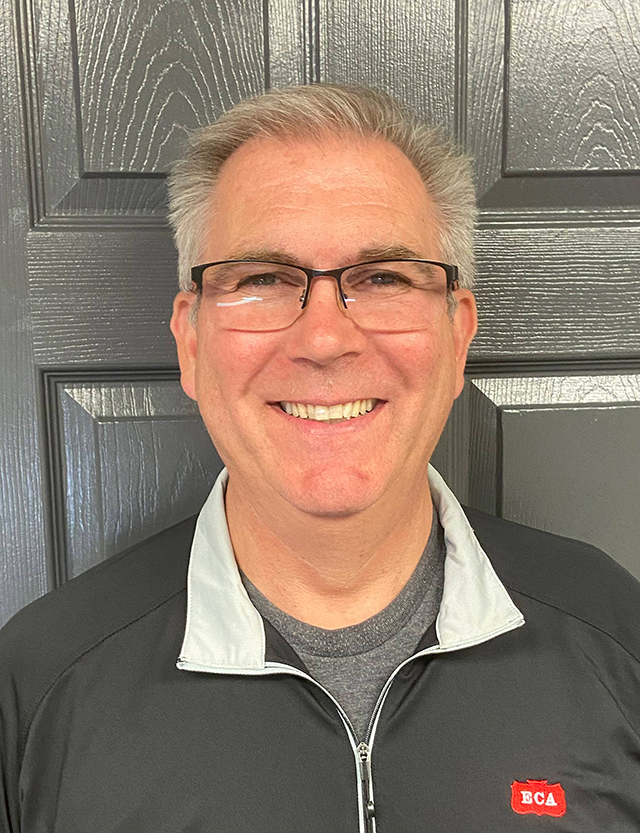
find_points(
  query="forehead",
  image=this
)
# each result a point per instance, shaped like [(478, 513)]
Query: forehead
[(348, 190)]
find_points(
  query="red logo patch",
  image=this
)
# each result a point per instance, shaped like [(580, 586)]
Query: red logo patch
[(538, 797)]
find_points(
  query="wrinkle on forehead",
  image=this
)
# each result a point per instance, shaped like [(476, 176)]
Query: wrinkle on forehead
[(301, 164), (354, 194)]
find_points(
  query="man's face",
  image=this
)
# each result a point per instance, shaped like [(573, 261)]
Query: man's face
[(323, 204)]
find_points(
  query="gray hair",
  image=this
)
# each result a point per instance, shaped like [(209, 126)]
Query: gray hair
[(300, 113)]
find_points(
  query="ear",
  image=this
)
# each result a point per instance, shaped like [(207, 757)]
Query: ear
[(186, 338), (465, 324)]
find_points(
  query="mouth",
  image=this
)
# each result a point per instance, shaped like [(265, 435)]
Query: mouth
[(330, 413)]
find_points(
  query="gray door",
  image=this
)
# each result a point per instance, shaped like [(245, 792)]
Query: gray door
[(99, 446)]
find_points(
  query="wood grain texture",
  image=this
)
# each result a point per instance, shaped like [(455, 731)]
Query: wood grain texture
[(137, 459), (190, 48), (57, 154), (574, 85), (101, 200), (24, 572), (600, 388), (559, 453), (575, 199), (288, 57), (148, 72), (78, 515), (484, 86), (401, 46), (110, 400), (102, 298), (563, 292), (558, 292)]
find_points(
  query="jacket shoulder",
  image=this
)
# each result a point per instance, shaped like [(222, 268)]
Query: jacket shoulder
[(43, 639), (572, 576)]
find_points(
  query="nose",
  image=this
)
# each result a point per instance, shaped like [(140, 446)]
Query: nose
[(324, 331)]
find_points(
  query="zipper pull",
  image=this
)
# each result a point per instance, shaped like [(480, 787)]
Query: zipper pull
[(364, 754)]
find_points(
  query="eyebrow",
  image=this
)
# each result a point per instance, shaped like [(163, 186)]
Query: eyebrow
[(268, 255), (396, 251), (390, 252)]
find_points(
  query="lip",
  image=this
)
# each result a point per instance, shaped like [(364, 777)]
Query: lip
[(314, 426)]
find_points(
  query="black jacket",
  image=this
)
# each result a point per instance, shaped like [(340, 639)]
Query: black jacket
[(100, 731)]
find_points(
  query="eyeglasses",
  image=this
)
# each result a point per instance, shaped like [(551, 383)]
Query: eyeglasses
[(382, 295)]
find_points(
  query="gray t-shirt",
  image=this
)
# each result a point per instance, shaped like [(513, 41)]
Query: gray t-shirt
[(354, 663)]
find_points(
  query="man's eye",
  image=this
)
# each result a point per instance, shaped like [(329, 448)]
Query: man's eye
[(387, 278), (382, 279), (262, 279), (272, 280)]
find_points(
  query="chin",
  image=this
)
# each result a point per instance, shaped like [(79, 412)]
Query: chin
[(333, 495)]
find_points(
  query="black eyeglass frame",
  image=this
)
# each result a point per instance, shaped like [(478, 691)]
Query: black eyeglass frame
[(450, 271)]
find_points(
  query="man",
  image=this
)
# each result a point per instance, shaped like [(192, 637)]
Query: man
[(350, 651)]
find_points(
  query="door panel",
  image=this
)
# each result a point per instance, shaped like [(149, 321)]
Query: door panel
[(577, 67), (116, 87), (102, 297), (565, 456), (562, 470), (134, 458), (97, 101), (549, 99), (555, 292), (147, 72)]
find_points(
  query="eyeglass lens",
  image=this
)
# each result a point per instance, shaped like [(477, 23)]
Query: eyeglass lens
[(386, 296)]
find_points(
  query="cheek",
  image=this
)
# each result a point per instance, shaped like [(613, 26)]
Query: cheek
[(227, 363), (422, 358)]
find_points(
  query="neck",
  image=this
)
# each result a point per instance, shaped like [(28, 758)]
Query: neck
[(328, 572)]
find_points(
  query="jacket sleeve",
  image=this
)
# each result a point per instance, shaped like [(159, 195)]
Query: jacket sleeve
[(12, 698)]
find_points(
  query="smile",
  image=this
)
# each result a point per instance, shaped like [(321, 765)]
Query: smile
[(329, 413)]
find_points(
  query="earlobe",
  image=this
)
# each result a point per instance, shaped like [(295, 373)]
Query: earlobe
[(185, 335)]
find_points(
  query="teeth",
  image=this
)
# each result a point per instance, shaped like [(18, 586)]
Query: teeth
[(329, 413)]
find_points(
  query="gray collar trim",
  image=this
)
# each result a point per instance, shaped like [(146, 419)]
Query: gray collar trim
[(225, 634)]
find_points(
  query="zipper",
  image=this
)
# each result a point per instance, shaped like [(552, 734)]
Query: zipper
[(366, 819), (366, 746), (375, 715), (362, 751), (364, 754)]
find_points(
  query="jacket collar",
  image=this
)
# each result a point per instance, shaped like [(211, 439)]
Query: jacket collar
[(225, 634)]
